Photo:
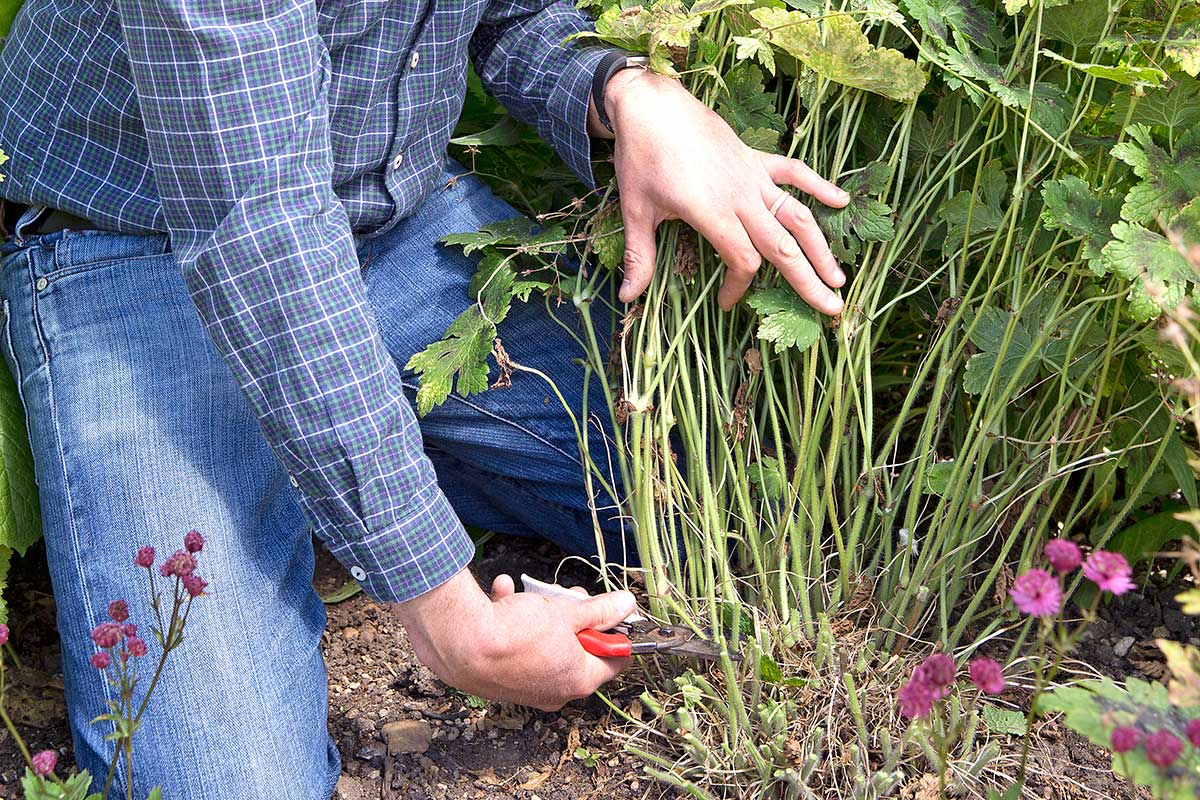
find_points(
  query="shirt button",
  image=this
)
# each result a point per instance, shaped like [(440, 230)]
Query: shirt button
[(358, 573), (295, 483), (416, 58), (397, 161)]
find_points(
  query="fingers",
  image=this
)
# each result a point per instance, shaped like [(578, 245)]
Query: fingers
[(502, 587), (602, 611), (729, 238), (639, 253), (799, 221), (796, 173), (781, 249)]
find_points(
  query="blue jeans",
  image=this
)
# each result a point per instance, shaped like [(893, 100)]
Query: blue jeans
[(140, 433)]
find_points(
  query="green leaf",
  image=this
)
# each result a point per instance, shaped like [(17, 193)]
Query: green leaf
[(457, 362), (755, 47), (1159, 273), (769, 671), (956, 20), (785, 319), (968, 214), (1126, 74), (864, 218), (938, 476), (746, 106), (1006, 721), (1168, 181), (342, 593), (511, 232), (504, 133), (20, 513), (8, 12), (1013, 6), (608, 236), (1181, 43), (767, 478), (1145, 538), (989, 335), (1071, 206), (155, 793), (1177, 107), (1079, 24), (837, 49)]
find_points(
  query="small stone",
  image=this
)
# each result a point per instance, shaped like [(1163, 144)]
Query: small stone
[(1122, 648), (349, 632), (1160, 632), (633, 785), (364, 725), (368, 634), (427, 764), (371, 751), (407, 736)]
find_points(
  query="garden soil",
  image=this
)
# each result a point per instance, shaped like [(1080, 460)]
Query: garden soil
[(404, 735)]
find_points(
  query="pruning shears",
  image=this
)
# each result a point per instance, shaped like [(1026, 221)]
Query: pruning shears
[(636, 635)]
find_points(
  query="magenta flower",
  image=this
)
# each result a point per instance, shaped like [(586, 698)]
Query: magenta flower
[(1125, 738), (1037, 593), (1193, 732), (916, 698), (137, 646), (194, 584), (1063, 554), (106, 635), (987, 675), (181, 564), (44, 762), (1110, 571), (938, 673), (101, 660), (3, 635), (118, 611), (129, 630), (1162, 748), (145, 557), (193, 542)]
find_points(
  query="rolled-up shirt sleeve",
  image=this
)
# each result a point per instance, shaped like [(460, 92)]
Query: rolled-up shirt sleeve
[(234, 100)]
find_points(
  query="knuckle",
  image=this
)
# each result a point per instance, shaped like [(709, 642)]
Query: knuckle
[(802, 213)]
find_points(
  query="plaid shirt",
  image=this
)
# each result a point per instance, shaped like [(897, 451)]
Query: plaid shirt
[(260, 135)]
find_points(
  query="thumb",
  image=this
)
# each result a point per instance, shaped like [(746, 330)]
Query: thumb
[(639, 255), (502, 587), (603, 611)]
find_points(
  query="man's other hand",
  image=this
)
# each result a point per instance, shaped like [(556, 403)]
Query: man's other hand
[(676, 159), (519, 648)]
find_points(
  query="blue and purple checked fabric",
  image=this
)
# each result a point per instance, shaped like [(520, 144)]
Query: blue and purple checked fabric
[(262, 136)]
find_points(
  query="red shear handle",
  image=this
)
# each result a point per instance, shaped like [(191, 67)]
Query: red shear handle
[(605, 645)]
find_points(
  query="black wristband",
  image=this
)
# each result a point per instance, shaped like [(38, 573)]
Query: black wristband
[(610, 65)]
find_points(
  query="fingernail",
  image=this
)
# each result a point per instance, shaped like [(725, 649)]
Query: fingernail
[(626, 288), (837, 273), (625, 601), (843, 194)]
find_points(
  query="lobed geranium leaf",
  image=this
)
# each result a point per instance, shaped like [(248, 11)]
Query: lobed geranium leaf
[(1071, 206), (963, 21), (937, 477), (766, 478), (746, 106), (988, 335), (510, 232), (755, 47), (456, 362), (628, 28), (785, 319), (1177, 107), (608, 236), (968, 214), (837, 49), (1184, 664), (1079, 24), (1159, 273), (1180, 43), (20, 512), (1143, 77), (864, 219), (1168, 181)]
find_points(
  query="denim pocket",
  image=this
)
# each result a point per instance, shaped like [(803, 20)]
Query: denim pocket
[(83, 251)]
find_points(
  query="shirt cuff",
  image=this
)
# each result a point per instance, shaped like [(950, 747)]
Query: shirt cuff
[(420, 553), (568, 110)]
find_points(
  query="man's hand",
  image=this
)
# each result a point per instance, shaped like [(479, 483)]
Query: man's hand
[(676, 159), (519, 648)]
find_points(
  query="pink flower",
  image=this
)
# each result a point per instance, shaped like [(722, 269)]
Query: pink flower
[(118, 611), (194, 584), (180, 564), (1037, 593), (1063, 555), (137, 646), (106, 635), (44, 762), (916, 698), (101, 660), (1163, 747), (1193, 733), (129, 630), (145, 557), (193, 542), (3, 635), (1110, 571), (987, 675), (1125, 738), (938, 672)]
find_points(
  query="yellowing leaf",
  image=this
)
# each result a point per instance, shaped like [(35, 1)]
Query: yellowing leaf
[(837, 49), (1189, 601), (1184, 664), (1127, 74)]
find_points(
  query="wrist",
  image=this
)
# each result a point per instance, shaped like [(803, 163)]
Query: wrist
[(440, 623), (622, 90)]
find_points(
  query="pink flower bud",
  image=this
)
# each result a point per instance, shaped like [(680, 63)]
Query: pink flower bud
[(1064, 555), (1193, 733), (938, 671), (194, 584), (987, 675), (129, 630), (101, 660), (44, 762), (145, 557), (1125, 738), (136, 646), (3, 635), (193, 542), (106, 635), (1163, 748), (916, 698), (181, 564), (118, 611), (1109, 571), (1037, 593)]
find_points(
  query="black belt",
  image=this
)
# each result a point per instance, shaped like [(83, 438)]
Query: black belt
[(49, 221)]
